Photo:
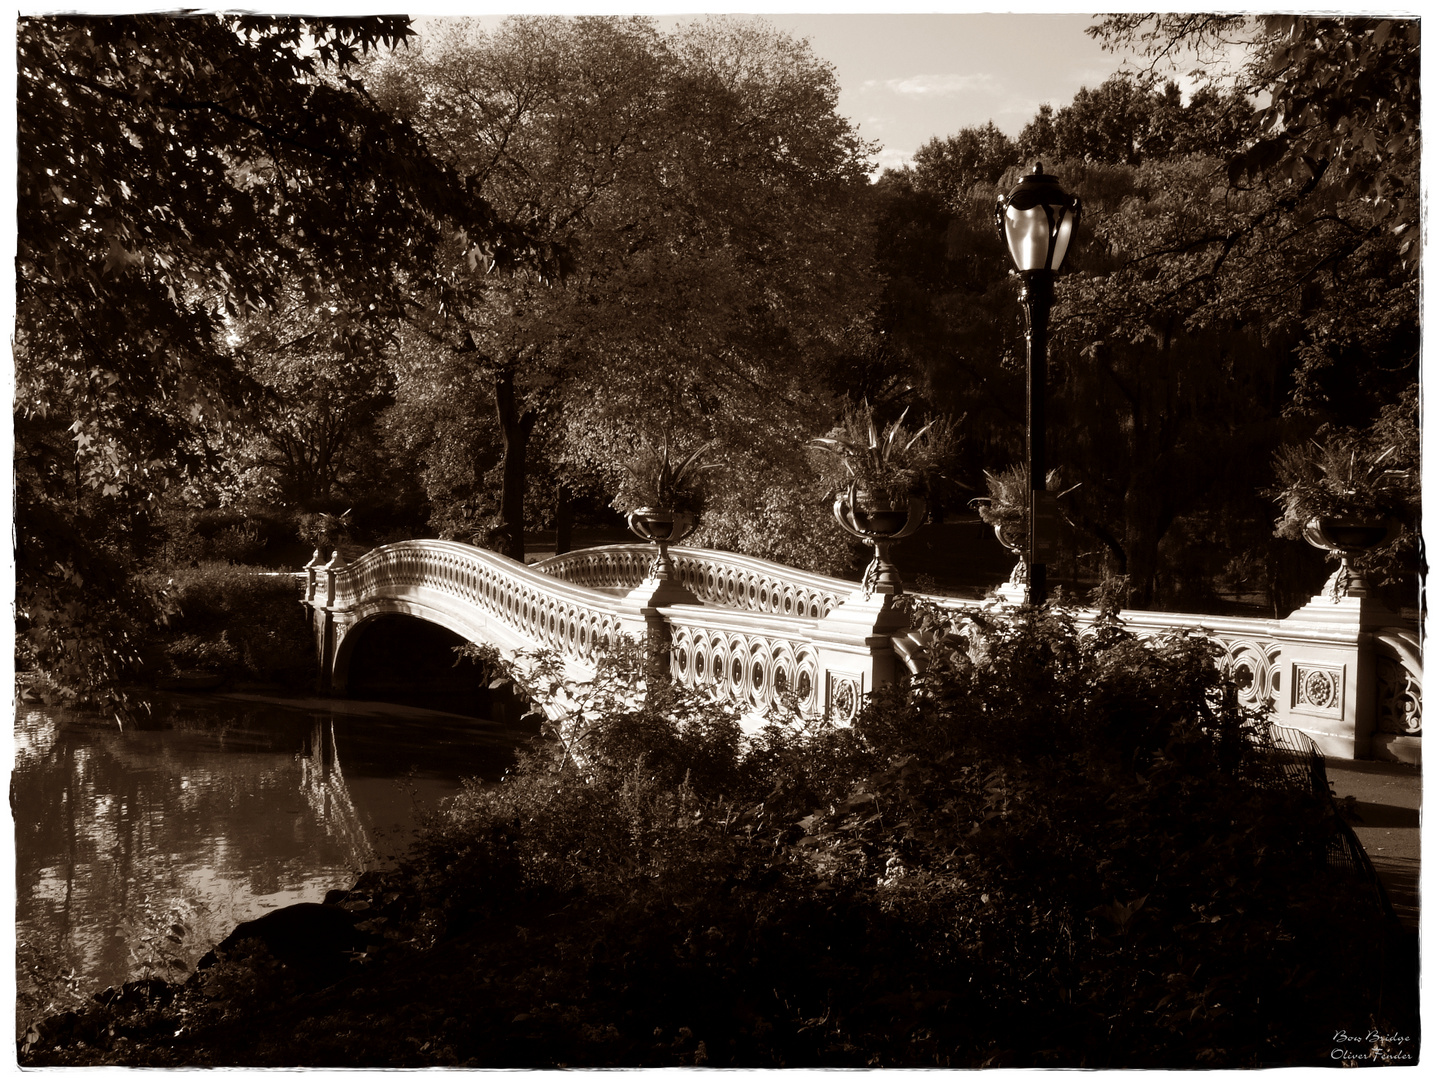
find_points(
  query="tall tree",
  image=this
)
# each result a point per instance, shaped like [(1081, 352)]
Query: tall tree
[(702, 182), (174, 174), (309, 408), (1203, 319), (1343, 96)]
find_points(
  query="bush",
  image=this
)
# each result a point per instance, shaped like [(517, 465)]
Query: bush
[(1051, 849), (240, 621), (232, 534)]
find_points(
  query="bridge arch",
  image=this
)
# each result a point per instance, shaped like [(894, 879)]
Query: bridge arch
[(384, 612)]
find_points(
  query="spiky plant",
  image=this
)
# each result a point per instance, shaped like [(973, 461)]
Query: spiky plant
[(1006, 500), (656, 483), (1348, 477), (889, 465)]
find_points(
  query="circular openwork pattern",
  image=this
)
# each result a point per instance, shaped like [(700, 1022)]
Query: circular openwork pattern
[(1318, 688), (750, 670), (1252, 666), (549, 620)]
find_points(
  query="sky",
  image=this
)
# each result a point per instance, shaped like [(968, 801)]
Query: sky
[(907, 78)]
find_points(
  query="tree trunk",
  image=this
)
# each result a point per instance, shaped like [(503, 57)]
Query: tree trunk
[(514, 426), (563, 521)]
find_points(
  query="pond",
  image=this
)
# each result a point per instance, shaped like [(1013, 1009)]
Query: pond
[(138, 848)]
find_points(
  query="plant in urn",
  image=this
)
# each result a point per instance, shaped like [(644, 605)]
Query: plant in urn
[(1344, 497), (878, 477), (1005, 508), (662, 500)]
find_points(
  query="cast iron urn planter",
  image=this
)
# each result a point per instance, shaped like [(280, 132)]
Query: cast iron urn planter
[(879, 523), (1014, 539), (1349, 538), (661, 527)]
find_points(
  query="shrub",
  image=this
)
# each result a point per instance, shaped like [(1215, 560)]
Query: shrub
[(235, 620), (1051, 849)]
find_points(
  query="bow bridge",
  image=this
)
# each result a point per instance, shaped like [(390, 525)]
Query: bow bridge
[(750, 631)]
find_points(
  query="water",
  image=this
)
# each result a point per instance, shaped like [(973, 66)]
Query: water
[(137, 850)]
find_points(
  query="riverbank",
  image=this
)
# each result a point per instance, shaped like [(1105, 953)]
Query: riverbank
[(217, 809)]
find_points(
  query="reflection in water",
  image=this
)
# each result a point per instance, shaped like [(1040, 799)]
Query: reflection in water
[(232, 807), (322, 781)]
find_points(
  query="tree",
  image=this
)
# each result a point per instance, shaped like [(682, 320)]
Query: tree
[(1129, 119), (309, 410), (1345, 100), (176, 173), (700, 180), (974, 155), (1208, 313)]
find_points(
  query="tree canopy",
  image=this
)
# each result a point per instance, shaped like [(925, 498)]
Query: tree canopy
[(1227, 293), (700, 180), (174, 174)]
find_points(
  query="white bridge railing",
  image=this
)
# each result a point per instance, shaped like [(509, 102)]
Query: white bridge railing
[(754, 631)]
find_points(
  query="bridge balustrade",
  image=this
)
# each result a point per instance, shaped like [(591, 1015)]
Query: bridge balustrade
[(752, 660), (478, 594), (1345, 673), (757, 633), (713, 577)]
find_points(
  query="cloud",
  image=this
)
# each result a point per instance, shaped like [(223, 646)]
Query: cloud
[(891, 159), (936, 85)]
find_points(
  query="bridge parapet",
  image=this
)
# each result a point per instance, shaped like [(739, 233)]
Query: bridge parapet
[(1346, 673), (478, 594), (751, 660), (713, 577)]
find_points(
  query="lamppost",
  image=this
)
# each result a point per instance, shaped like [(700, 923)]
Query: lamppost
[(1038, 220)]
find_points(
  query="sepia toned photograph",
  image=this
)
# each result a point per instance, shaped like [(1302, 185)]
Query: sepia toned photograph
[(738, 539)]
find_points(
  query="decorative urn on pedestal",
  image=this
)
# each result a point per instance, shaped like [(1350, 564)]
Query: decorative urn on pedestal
[(661, 528), (879, 524), (1342, 497), (1349, 539), (1005, 508), (877, 476), (662, 501)]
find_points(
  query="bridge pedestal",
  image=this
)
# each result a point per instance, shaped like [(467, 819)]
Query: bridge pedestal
[(639, 610), (329, 621), (855, 653), (1329, 678)]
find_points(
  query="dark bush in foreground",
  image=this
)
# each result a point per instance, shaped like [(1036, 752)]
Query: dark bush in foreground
[(1048, 850)]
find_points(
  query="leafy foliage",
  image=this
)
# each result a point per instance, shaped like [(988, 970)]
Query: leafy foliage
[(688, 173), (238, 621), (1005, 503), (1205, 317), (177, 174)]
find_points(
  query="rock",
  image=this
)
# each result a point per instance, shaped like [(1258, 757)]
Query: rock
[(316, 941)]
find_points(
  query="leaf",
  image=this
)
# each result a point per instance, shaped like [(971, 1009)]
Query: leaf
[(854, 801)]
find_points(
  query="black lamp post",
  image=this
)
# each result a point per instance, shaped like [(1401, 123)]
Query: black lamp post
[(1038, 220)]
